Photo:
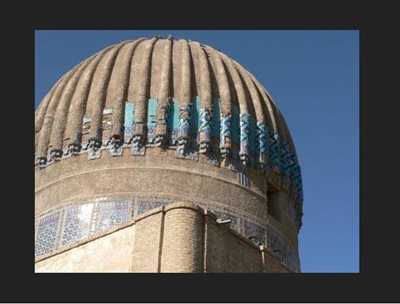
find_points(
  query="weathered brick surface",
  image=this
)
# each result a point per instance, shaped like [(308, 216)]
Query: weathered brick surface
[(225, 252), (182, 249), (145, 257), (272, 263), (78, 179)]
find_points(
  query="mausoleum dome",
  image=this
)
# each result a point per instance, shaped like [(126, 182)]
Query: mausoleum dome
[(164, 95)]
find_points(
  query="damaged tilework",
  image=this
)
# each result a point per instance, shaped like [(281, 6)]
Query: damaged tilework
[(145, 205), (112, 213), (228, 216), (77, 223), (254, 232)]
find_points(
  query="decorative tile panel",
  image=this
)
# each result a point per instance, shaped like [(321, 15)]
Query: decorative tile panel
[(47, 233), (204, 129), (274, 151), (145, 205), (77, 223), (226, 127), (195, 118), (254, 232), (129, 120), (244, 134), (185, 117), (112, 214)]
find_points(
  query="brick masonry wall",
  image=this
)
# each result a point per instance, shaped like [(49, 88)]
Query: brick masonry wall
[(77, 179), (272, 263), (180, 237), (226, 252), (182, 246), (146, 255)]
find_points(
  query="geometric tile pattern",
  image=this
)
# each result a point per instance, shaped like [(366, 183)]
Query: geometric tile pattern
[(273, 151), (47, 233), (226, 127), (77, 223), (261, 138), (244, 134), (148, 204), (112, 213)]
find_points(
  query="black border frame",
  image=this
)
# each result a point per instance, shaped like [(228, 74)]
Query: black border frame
[(378, 214)]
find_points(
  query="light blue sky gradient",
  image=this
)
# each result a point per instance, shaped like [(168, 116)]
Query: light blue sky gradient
[(314, 78)]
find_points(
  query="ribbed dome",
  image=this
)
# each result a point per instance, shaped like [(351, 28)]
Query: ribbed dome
[(148, 68), (185, 122), (166, 92)]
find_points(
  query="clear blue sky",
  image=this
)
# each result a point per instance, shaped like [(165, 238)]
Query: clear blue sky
[(314, 78)]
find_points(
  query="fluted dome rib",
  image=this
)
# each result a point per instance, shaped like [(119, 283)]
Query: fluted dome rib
[(142, 69)]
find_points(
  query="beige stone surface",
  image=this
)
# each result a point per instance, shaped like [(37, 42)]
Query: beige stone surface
[(109, 253)]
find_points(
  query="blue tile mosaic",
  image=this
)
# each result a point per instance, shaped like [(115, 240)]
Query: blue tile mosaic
[(195, 117), (129, 120), (274, 151), (145, 205), (112, 214), (185, 117), (47, 233), (77, 223), (244, 134)]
